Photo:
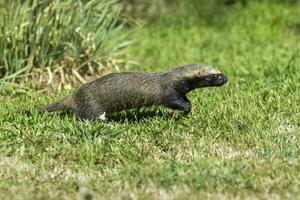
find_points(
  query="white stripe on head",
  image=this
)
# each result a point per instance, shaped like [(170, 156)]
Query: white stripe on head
[(213, 71)]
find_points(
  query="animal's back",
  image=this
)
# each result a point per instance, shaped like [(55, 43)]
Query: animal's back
[(119, 91)]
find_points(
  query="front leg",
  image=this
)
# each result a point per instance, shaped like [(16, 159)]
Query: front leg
[(181, 103)]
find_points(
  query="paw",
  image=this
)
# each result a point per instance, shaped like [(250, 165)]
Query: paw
[(102, 117)]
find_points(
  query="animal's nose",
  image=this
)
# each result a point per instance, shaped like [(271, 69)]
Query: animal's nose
[(221, 79), (225, 79)]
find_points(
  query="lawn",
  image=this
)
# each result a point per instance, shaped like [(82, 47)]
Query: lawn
[(240, 141)]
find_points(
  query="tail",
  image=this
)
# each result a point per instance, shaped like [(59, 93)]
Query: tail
[(63, 104)]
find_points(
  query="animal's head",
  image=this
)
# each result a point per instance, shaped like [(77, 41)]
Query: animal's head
[(200, 75)]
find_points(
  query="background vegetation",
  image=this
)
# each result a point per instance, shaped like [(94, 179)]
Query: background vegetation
[(240, 141), (58, 43)]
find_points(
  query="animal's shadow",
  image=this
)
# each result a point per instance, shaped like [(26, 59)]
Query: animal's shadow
[(134, 115)]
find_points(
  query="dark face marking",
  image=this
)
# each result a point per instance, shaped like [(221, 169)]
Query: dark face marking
[(213, 80)]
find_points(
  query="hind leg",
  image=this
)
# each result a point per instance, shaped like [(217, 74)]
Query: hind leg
[(90, 114), (102, 116)]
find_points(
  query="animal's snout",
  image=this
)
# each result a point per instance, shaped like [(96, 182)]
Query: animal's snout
[(223, 78), (220, 79)]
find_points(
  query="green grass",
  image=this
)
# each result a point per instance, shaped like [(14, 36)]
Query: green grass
[(241, 140)]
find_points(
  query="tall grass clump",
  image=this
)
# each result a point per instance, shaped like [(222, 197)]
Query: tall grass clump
[(59, 43)]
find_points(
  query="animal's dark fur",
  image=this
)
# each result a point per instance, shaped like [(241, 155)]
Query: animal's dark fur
[(120, 91)]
